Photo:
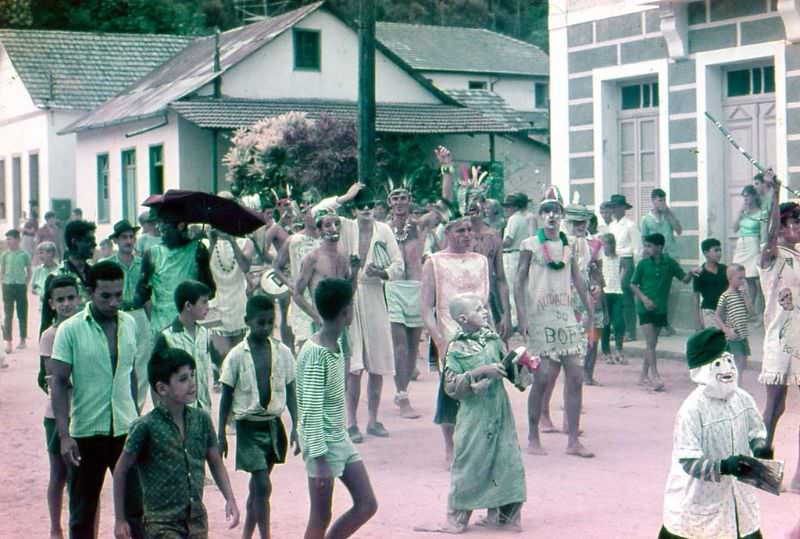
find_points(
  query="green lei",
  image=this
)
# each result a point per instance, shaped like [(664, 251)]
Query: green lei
[(542, 240)]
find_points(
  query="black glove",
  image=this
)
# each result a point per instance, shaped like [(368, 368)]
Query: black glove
[(736, 465), (761, 449)]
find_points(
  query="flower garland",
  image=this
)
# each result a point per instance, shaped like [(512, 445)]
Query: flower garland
[(546, 253)]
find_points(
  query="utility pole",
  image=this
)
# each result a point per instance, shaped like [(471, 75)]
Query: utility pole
[(366, 92)]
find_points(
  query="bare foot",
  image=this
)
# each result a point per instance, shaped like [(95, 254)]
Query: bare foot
[(644, 381), (439, 528), (546, 425), (406, 410), (592, 382), (535, 448), (578, 450)]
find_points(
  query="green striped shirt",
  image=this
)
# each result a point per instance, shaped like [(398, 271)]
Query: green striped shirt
[(199, 347), (320, 399)]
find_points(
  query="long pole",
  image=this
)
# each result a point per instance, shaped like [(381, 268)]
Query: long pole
[(366, 93)]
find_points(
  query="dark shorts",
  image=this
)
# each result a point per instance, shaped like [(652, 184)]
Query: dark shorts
[(446, 406), (51, 436), (260, 444), (658, 320), (739, 348), (194, 528)]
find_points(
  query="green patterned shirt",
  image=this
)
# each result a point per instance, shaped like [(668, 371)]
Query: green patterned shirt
[(172, 468)]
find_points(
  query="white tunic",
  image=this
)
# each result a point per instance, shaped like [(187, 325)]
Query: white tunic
[(783, 274), (713, 429), (231, 296)]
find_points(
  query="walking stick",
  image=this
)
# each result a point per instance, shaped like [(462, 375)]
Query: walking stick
[(745, 153)]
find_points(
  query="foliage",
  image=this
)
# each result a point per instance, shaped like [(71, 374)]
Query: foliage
[(16, 13)]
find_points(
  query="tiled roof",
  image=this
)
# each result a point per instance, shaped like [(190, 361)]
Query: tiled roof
[(228, 113), (491, 105), (188, 71), (81, 70), (449, 48)]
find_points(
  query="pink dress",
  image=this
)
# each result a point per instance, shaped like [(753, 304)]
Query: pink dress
[(457, 273)]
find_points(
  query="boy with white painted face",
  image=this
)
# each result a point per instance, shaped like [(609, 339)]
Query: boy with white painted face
[(717, 433)]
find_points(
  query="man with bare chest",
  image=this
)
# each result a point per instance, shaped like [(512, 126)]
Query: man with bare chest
[(404, 296), (275, 238)]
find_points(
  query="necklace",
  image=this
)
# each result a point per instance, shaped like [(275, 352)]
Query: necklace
[(226, 268), (546, 252), (402, 235)]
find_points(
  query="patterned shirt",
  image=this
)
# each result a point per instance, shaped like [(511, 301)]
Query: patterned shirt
[(239, 373), (733, 311), (171, 467), (102, 401), (199, 347), (320, 399), (15, 265)]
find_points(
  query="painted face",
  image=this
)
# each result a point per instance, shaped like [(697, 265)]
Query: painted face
[(64, 301), (550, 216), (459, 236), (329, 228), (475, 317), (261, 324), (126, 241), (475, 204), (107, 297), (182, 387), (785, 299), (720, 378)]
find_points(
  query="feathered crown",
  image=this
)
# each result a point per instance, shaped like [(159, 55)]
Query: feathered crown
[(475, 179), (552, 194), (406, 183), (287, 191)]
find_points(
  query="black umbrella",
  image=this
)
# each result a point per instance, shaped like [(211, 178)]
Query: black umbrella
[(198, 207)]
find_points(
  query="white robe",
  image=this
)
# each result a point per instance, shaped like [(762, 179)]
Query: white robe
[(713, 429)]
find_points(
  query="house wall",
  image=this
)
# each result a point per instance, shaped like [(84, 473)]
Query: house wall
[(526, 165), (112, 140), (337, 78), (595, 46), (60, 157), (518, 92)]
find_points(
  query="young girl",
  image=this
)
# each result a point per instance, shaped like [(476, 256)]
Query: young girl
[(62, 296), (613, 302), (46, 253)]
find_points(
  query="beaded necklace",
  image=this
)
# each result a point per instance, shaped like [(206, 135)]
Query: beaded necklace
[(546, 252), (224, 267), (402, 235)]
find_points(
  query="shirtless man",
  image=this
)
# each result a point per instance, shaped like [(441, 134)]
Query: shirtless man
[(403, 296), (275, 238)]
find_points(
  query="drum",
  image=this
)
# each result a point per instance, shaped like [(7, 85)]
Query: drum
[(272, 286)]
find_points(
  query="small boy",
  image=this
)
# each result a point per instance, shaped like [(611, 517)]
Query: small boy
[(487, 471), (15, 266), (327, 449), (170, 447), (733, 313), (258, 384), (62, 296), (711, 282), (651, 283), (46, 253), (191, 300), (718, 431)]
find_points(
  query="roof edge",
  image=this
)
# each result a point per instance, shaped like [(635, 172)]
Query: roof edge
[(71, 129)]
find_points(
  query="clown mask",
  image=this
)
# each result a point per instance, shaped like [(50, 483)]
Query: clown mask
[(719, 379)]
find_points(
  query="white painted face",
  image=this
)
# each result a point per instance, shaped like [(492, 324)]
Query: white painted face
[(720, 378)]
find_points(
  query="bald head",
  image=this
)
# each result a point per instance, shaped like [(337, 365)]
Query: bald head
[(463, 304)]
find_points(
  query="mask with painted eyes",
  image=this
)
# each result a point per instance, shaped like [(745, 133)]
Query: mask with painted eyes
[(719, 379)]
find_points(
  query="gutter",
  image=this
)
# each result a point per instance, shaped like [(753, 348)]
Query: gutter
[(164, 121)]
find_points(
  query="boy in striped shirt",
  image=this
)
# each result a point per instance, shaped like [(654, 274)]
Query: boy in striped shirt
[(327, 449), (733, 313)]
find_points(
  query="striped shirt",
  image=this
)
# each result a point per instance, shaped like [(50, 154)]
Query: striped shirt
[(320, 399), (733, 311), (197, 346)]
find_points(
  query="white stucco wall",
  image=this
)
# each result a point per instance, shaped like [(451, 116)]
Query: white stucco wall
[(112, 140), (60, 158), (518, 92), (195, 157), (273, 66)]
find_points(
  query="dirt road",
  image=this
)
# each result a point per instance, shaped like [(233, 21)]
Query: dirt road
[(617, 494)]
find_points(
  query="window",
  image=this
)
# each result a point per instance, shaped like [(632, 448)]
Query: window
[(541, 95), (156, 169), (756, 80), (2, 188), (307, 49), (33, 177), (129, 185), (102, 188), (477, 85), (639, 96)]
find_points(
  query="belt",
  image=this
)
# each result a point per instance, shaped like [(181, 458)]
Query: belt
[(510, 250)]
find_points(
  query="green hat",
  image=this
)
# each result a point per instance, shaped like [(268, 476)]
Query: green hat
[(704, 347)]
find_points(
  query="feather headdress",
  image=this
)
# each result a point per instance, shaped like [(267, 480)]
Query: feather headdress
[(552, 195)]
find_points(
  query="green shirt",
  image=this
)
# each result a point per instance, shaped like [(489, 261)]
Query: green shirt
[(199, 347), (132, 275), (320, 399), (651, 225), (102, 397), (654, 279), (39, 278), (15, 266), (170, 268), (172, 468), (145, 241)]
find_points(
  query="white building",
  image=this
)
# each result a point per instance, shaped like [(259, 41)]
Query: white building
[(169, 129), (49, 79)]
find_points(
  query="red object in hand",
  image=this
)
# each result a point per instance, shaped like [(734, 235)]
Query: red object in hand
[(531, 362)]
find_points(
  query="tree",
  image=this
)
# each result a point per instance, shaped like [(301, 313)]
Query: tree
[(16, 13)]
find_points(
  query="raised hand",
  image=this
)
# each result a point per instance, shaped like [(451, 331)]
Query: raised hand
[(444, 156)]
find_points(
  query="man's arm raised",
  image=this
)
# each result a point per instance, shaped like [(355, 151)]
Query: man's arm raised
[(770, 250)]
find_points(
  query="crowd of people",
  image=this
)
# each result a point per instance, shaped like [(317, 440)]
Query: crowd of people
[(361, 283)]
